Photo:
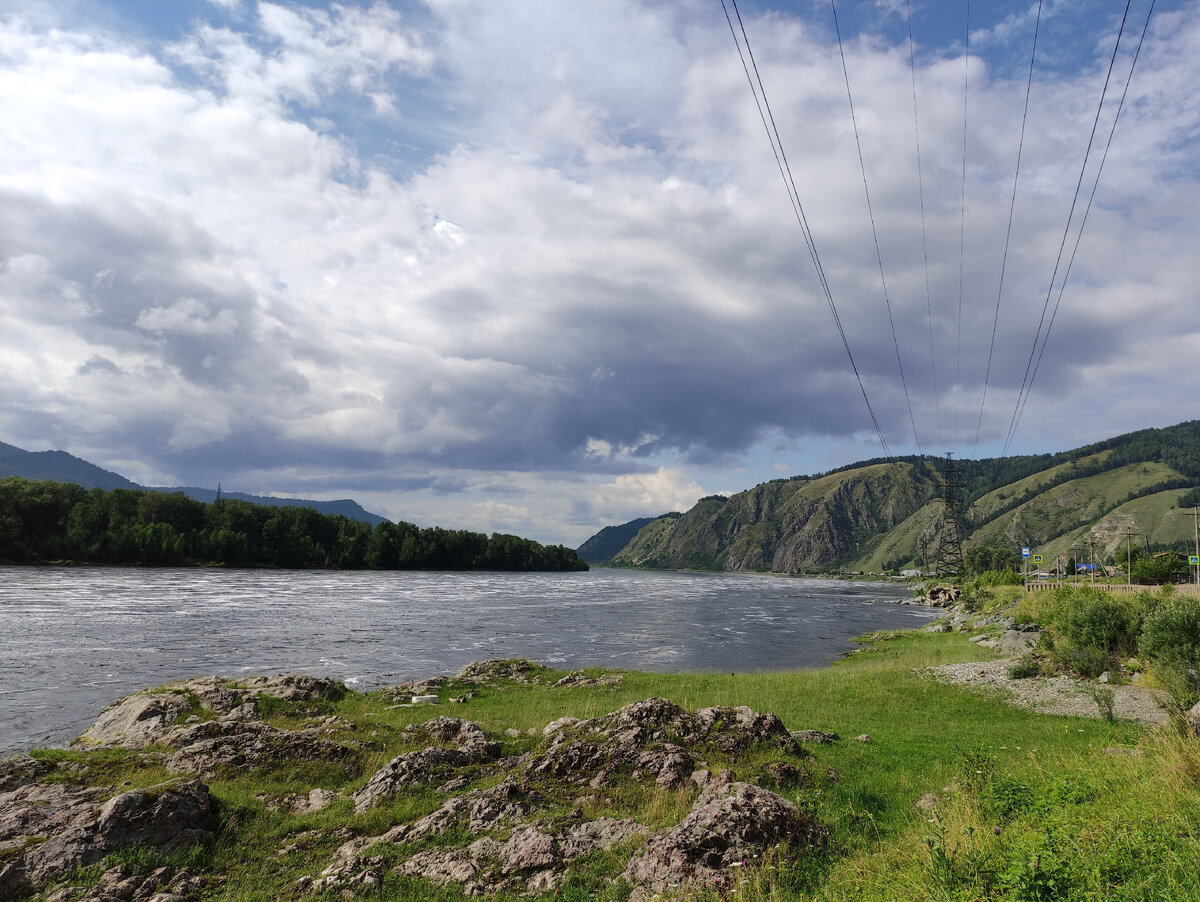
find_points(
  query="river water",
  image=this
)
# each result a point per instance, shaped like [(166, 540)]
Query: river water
[(74, 639)]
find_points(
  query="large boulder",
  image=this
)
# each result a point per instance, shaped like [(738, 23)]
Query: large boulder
[(168, 817), (728, 824), (136, 721)]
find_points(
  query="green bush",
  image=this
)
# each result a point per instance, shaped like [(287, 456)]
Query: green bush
[(1100, 620), (1087, 660), (1171, 633), (1005, 577), (1024, 669)]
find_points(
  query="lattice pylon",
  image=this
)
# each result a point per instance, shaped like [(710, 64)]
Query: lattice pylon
[(949, 560)]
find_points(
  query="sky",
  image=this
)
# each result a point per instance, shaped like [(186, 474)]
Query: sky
[(531, 267)]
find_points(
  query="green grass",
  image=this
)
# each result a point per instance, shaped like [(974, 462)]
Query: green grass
[(1030, 806), (1079, 502)]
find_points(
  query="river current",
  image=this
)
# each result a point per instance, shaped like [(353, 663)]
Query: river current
[(74, 639)]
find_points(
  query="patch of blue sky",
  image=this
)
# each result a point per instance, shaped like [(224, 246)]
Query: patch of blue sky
[(160, 21), (1074, 34), (401, 134)]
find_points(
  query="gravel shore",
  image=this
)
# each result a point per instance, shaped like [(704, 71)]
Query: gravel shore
[(1052, 695)]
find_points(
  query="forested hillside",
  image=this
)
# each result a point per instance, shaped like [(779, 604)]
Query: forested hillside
[(884, 515), (54, 521)]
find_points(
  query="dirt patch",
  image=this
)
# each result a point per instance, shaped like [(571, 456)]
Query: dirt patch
[(1053, 695)]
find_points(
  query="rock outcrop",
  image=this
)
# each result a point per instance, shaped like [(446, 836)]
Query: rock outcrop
[(730, 823), (512, 824), (462, 743), (515, 845), (143, 719), (80, 828), (208, 748)]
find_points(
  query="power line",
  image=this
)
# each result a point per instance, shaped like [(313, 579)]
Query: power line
[(874, 232), (1087, 210), (785, 172), (912, 66), (1027, 379), (962, 222), (1008, 234)]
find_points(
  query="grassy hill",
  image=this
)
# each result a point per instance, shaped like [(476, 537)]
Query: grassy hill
[(887, 515)]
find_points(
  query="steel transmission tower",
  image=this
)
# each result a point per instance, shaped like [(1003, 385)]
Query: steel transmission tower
[(949, 561)]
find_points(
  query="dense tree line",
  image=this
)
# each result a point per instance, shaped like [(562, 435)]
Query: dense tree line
[(56, 521)]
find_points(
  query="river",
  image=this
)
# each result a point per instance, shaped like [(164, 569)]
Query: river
[(74, 639)]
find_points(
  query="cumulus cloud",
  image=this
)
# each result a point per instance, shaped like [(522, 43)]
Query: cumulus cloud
[(495, 251)]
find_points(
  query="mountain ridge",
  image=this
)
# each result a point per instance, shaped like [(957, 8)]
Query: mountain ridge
[(62, 466), (884, 515)]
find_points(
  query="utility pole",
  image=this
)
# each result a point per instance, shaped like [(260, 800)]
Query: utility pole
[(1129, 534), (949, 553), (1195, 514)]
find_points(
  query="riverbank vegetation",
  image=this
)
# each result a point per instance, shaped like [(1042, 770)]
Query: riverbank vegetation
[(46, 521), (945, 794)]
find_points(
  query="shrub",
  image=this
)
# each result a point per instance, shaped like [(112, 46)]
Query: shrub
[(1005, 577), (1171, 633), (1100, 620), (1087, 660), (1024, 669)]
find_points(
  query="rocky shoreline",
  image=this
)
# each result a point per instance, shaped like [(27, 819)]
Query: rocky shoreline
[(381, 787), (515, 822)]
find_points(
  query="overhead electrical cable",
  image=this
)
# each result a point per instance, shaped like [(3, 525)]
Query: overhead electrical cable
[(1039, 337), (1008, 233), (912, 65), (962, 221), (874, 232), (1088, 209), (768, 119)]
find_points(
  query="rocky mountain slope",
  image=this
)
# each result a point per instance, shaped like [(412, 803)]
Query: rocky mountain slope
[(886, 515)]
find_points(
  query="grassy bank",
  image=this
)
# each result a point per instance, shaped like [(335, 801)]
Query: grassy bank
[(1027, 807)]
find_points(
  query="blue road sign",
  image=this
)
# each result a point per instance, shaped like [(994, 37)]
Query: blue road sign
[(1024, 552)]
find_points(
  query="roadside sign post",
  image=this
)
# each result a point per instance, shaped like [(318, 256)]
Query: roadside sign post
[(1025, 563), (1194, 560)]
